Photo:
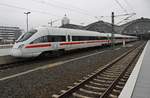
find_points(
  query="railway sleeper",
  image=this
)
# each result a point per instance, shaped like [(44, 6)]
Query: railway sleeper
[(63, 91), (116, 91), (101, 87), (85, 93), (113, 96), (116, 67), (123, 80), (105, 78), (103, 81), (126, 76), (86, 77), (94, 88), (113, 69), (81, 80), (98, 84), (77, 95), (121, 83), (111, 73), (55, 96), (89, 92), (69, 87), (119, 87), (120, 68), (109, 76)]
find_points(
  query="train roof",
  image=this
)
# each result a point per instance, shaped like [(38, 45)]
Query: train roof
[(76, 32)]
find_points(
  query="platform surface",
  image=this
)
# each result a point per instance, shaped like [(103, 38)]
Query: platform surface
[(142, 87), (5, 51), (138, 84)]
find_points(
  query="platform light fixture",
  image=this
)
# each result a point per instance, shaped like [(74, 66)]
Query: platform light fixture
[(27, 13)]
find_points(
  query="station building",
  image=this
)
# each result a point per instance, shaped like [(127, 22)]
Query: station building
[(9, 34), (139, 27)]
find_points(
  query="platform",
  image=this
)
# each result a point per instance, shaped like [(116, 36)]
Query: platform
[(5, 51), (138, 84)]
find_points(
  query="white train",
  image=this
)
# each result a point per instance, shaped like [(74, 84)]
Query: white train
[(46, 40)]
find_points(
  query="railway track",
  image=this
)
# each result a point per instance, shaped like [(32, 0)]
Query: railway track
[(106, 82), (25, 61), (16, 63)]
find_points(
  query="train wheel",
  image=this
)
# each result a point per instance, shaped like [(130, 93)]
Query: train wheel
[(45, 54), (58, 53)]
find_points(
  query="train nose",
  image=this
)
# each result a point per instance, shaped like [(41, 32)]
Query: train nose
[(15, 52)]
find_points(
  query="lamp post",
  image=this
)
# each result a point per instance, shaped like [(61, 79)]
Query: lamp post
[(112, 32), (27, 13)]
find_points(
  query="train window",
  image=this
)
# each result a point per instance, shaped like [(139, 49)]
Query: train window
[(118, 38), (40, 40), (60, 38), (56, 38), (45, 39), (103, 38), (27, 35), (75, 38), (84, 38), (92, 38)]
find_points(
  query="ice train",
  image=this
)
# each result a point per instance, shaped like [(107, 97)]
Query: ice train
[(47, 40)]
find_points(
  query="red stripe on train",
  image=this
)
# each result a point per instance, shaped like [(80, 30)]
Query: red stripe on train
[(38, 46), (64, 43), (72, 43)]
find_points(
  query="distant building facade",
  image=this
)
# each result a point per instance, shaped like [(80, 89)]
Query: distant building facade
[(9, 34), (65, 20), (139, 27)]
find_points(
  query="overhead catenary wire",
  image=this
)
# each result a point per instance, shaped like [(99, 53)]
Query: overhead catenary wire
[(46, 12), (31, 10), (79, 11), (70, 6), (62, 7), (125, 19), (129, 16), (129, 5), (120, 15), (125, 14), (22, 8), (121, 6)]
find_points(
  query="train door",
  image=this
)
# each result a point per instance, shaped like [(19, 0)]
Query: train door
[(68, 40), (55, 45), (55, 41)]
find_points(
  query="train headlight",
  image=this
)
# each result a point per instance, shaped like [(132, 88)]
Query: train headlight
[(20, 46)]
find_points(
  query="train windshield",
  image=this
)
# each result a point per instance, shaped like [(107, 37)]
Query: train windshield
[(27, 35)]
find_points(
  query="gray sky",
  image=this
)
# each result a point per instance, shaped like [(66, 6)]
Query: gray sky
[(79, 11)]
